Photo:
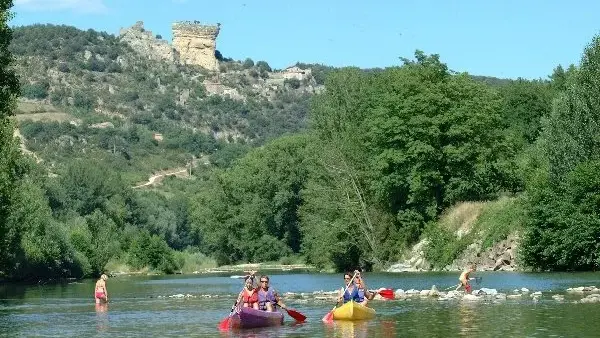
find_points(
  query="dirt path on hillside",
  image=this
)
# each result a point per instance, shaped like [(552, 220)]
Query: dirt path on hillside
[(17, 133), (178, 172)]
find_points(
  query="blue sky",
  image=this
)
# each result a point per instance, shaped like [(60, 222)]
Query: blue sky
[(503, 38)]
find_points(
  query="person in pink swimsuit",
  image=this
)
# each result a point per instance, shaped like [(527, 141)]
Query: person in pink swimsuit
[(101, 294)]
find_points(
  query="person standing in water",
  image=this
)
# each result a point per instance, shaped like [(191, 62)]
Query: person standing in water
[(101, 293), (464, 278)]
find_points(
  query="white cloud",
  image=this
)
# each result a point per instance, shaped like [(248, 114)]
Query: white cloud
[(81, 6)]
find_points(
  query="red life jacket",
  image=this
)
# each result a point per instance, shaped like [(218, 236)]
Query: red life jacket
[(250, 297)]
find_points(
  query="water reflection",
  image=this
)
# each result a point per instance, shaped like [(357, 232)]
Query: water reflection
[(102, 317), (468, 318), (268, 332), (347, 328), (388, 328)]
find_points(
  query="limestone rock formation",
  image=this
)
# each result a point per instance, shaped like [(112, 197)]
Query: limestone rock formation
[(196, 43), (145, 43)]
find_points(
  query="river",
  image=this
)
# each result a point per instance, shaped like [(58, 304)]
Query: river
[(140, 306)]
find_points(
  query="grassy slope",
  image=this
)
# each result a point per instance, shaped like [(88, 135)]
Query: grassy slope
[(468, 222)]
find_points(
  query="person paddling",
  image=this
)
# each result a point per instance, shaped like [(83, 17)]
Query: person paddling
[(100, 292), (364, 294), (356, 291), (268, 299), (250, 292), (464, 278)]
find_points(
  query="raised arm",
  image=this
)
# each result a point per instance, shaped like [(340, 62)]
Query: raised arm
[(340, 298)]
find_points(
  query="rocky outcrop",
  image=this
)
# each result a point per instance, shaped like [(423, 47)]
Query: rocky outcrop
[(415, 260), (145, 43), (196, 44), (499, 257), (193, 43), (216, 88)]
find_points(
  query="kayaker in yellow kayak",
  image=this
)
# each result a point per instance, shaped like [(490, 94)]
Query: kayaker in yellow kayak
[(363, 291), (268, 299), (356, 290)]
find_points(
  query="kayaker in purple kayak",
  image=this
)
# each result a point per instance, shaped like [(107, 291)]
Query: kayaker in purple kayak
[(250, 293), (268, 299)]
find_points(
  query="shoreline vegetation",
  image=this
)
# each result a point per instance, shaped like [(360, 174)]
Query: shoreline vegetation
[(236, 268), (414, 162)]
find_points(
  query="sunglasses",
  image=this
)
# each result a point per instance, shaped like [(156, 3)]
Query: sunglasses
[(264, 281)]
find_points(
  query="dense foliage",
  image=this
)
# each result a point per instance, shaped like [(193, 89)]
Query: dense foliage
[(564, 223), (93, 77), (367, 168)]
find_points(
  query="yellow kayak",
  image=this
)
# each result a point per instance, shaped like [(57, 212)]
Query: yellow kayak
[(353, 311)]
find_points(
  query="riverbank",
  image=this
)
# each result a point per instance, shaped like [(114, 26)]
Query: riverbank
[(115, 268), (259, 267), (484, 233)]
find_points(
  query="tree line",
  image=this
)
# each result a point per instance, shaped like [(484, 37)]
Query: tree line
[(385, 154)]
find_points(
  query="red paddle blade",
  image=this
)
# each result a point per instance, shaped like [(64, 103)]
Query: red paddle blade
[(328, 317), (224, 324), (296, 315), (387, 293)]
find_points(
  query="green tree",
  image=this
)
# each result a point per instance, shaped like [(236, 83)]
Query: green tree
[(524, 103), (436, 139), (9, 153), (563, 227), (253, 203), (248, 63), (341, 175)]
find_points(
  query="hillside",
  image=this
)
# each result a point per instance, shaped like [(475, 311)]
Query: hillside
[(148, 160), (88, 93)]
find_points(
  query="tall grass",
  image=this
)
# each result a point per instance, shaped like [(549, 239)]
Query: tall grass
[(499, 219), (468, 222)]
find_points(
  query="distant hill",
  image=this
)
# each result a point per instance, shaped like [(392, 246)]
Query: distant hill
[(146, 114), (93, 94)]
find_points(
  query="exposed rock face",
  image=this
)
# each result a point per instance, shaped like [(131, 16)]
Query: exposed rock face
[(196, 44), (501, 256), (145, 43)]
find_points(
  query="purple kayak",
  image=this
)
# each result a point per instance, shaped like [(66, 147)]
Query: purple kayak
[(248, 318)]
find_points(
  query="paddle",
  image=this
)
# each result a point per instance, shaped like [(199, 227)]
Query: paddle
[(452, 287), (386, 293), (224, 324), (293, 313), (477, 281), (296, 315), (328, 318)]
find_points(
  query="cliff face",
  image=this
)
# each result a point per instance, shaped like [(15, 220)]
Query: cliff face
[(196, 44), (145, 43), (193, 44)]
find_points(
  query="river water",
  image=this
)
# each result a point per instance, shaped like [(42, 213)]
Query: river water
[(141, 307)]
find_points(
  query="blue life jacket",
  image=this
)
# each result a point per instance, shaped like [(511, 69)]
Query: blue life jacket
[(264, 297), (361, 295), (356, 295)]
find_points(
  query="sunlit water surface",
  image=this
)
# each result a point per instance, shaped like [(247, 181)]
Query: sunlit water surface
[(141, 307)]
